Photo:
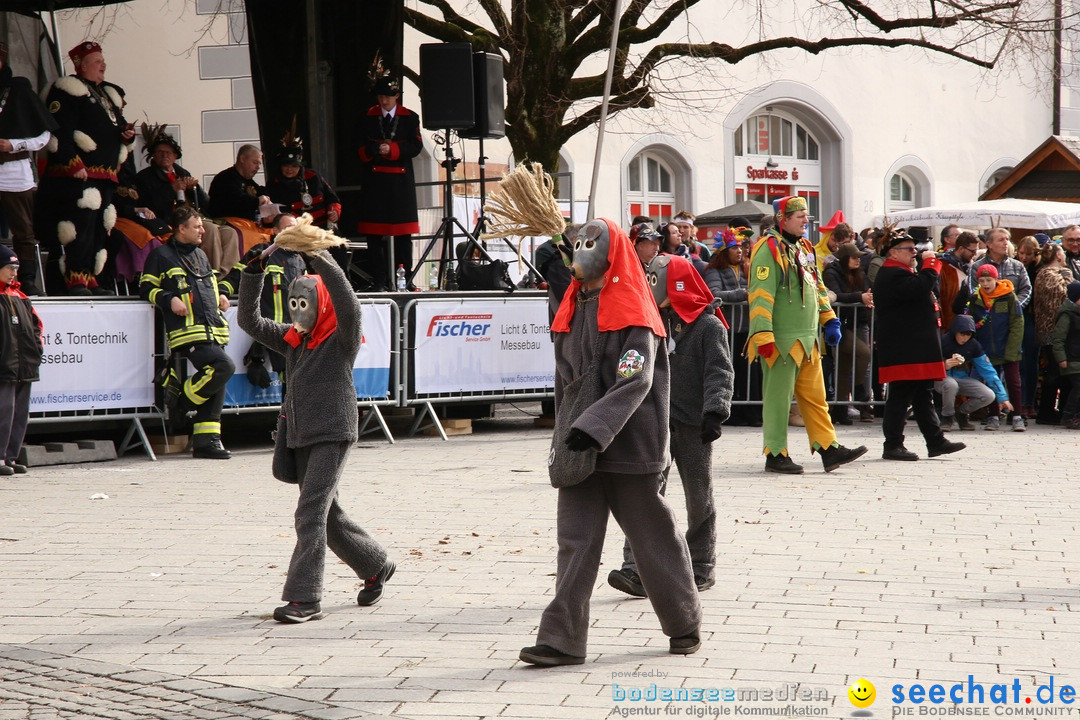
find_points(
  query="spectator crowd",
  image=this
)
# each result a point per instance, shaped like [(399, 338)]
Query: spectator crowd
[(1006, 303)]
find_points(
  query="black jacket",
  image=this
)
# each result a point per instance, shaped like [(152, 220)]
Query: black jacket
[(907, 329), (233, 195), (156, 192), (20, 339), (179, 270)]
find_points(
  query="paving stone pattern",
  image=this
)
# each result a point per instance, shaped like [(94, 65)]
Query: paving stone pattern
[(896, 572)]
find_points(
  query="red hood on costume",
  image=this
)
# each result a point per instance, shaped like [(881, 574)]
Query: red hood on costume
[(625, 299), (325, 321), (687, 292)]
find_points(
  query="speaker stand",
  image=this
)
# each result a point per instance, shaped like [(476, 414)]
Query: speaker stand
[(446, 228)]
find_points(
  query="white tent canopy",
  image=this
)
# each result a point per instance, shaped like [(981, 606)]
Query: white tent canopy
[(1005, 212)]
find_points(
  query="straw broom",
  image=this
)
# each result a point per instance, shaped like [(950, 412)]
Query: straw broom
[(303, 237), (523, 204)]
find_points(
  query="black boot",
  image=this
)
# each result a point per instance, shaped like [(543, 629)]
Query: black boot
[(209, 447), (782, 464), (834, 457), (963, 422)]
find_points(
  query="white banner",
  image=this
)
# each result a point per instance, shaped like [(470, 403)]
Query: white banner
[(97, 355), (371, 369), (481, 344)]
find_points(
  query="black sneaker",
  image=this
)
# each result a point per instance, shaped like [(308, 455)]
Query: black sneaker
[(296, 612), (834, 457), (946, 448), (210, 449), (963, 422), (685, 645), (6, 470), (948, 422), (899, 453), (704, 583), (19, 468), (782, 464), (547, 656), (627, 581), (373, 586)]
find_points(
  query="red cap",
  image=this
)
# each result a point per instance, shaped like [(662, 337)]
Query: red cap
[(83, 49), (987, 269)]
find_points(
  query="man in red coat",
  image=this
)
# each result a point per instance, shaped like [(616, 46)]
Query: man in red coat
[(389, 139)]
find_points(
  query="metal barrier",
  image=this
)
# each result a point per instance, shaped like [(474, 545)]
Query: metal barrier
[(91, 413), (470, 334)]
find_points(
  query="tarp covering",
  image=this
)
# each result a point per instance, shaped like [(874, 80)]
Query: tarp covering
[(1004, 212)]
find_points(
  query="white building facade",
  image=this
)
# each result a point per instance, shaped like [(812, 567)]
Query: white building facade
[(860, 130)]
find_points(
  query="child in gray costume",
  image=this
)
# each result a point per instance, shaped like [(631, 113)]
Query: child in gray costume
[(702, 383), (611, 393), (318, 418)]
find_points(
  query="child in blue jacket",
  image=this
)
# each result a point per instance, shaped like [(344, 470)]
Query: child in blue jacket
[(968, 373)]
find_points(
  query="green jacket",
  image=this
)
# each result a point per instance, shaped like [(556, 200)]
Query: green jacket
[(788, 301), (1066, 341)]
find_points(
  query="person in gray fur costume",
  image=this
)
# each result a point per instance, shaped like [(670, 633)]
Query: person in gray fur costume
[(317, 427), (703, 381), (609, 448)]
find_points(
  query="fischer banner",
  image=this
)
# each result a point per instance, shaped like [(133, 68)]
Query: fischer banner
[(97, 355), (371, 369), (474, 345)]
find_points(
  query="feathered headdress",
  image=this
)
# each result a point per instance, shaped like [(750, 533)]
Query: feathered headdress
[(292, 147), (892, 235), (154, 135), (381, 79)]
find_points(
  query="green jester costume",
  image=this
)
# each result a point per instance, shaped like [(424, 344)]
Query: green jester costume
[(788, 305)]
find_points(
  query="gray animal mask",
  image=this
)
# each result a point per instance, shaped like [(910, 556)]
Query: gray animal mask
[(591, 251), (656, 274), (304, 303)]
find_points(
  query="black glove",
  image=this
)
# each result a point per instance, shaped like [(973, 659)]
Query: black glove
[(256, 265), (579, 441), (711, 427)]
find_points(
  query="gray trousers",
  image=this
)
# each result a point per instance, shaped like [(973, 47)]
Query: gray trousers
[(693, 458), (663, 560), (320, 522), (978, 394)]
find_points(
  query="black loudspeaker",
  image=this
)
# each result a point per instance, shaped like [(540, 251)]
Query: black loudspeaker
[(490, 102), (446, 83)]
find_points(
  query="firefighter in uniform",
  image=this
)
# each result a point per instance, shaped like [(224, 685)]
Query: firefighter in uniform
[(178, 279)]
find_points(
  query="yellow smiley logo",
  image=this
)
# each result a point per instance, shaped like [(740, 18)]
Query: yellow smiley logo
[(862, 693)]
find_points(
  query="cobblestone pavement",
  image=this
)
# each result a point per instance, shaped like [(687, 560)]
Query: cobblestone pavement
[(899, 573), (42, 686)]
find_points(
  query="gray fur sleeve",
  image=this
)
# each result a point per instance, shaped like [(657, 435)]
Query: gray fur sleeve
[(251, 321), (718, 375), (629, 356), (346, 306)]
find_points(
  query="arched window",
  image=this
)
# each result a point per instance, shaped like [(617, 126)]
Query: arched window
[(650, 187), (901, 193), (774, 134), (997, 176)]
